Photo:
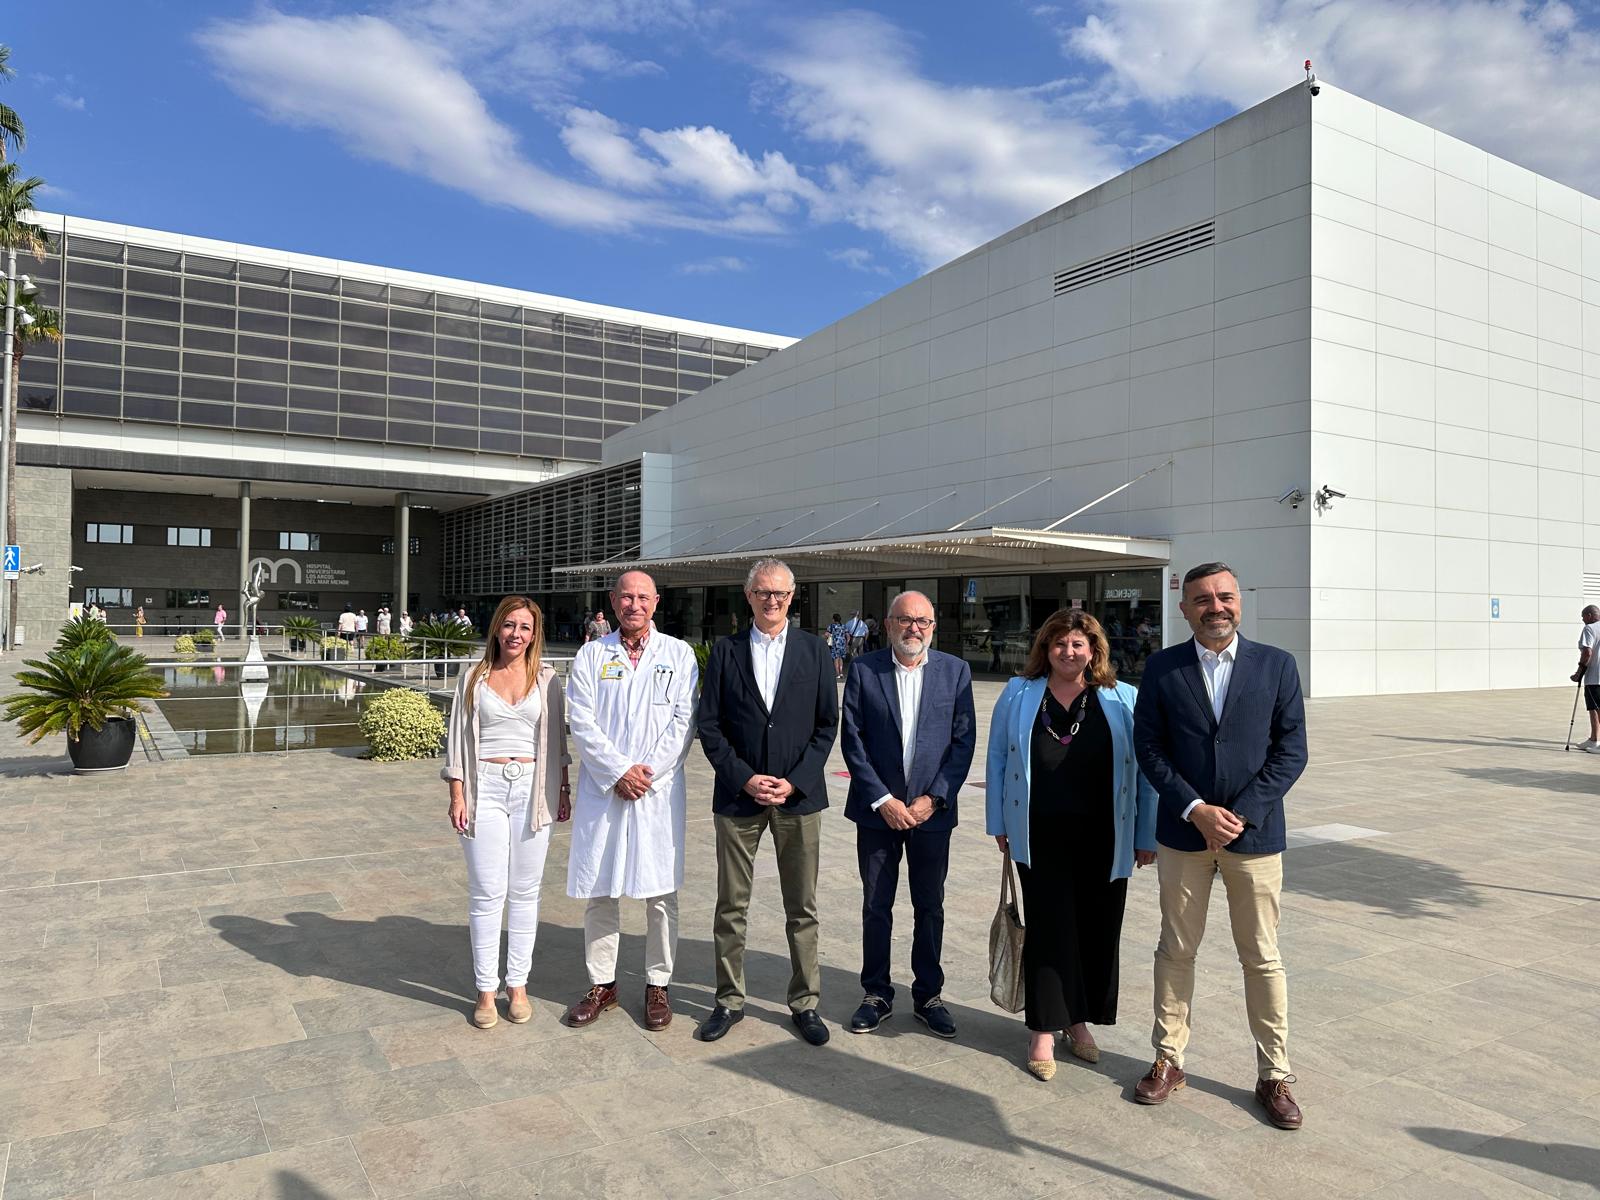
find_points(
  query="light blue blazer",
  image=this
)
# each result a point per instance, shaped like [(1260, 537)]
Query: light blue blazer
[(1009, 773)]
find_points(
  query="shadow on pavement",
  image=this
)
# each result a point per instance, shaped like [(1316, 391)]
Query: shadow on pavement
[(1555, 1160), (430, 962), (1398, 884), (1540, 781)]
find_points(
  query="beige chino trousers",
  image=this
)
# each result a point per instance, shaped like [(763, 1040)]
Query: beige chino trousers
[(1254, 884)]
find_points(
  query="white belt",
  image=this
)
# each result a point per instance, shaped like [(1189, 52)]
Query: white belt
[(510, 770)]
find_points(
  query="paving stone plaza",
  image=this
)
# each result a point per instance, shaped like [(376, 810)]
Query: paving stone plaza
[(249, 977)]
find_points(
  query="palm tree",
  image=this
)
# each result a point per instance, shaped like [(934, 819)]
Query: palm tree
[(12, 134), (34, 322)]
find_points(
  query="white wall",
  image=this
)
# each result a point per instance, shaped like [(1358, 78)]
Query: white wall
[(976, 379), (1455, 367)]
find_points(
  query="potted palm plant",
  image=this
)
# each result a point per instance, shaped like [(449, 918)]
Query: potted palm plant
[(442, 639), (301, 630), (90, 692)]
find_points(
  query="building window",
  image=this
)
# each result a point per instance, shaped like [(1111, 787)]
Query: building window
[(415, 546), (188, 598), (185, 535), (108, 534), (299, 541), (108, 597), (299, 600)]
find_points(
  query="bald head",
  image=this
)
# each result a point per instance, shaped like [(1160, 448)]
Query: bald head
[(1591, 614), (634, 600)]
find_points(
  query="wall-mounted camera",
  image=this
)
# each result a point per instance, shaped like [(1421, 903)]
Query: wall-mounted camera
[(1294, 498), (1312, 85)]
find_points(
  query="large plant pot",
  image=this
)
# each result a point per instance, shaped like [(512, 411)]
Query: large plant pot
[(106, 749)]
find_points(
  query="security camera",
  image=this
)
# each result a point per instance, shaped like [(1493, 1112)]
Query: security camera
[(1329, 493), (33, 570), (1312, 85), (1325, 497), (74, 567), (1294, 498)]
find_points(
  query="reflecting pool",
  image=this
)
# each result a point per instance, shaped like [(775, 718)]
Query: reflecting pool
[(297, 708)]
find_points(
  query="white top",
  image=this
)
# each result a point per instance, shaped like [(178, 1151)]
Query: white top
[(766, 659), (347, 622), (908, 690), (505, 730), (1216, 667), (1589, 640), (361, 622)]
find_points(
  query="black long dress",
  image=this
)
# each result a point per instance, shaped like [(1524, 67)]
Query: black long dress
[(1072, 906)]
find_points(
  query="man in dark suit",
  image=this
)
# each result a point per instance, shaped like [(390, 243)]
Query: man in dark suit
[(908, 736), (1220, 732), (769, 712)]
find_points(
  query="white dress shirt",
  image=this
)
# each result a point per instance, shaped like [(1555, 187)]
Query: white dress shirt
[(908, 690), (766, 660), (1216, 667)]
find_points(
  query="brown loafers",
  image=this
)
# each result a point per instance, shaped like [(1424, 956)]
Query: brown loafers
[(595, 1001), (657, 1008), (1275, 1097), (1163, 1078)]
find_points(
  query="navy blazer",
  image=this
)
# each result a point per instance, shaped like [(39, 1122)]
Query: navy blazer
[(870, 737), (741, 738), (1247, 762)]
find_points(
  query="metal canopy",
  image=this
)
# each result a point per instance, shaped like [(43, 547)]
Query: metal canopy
[(998, 549)]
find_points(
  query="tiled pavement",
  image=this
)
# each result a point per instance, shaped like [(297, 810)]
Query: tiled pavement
[(246, 977)]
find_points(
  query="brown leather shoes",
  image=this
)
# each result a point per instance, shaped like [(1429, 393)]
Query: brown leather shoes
[(1164, 1078), (595, 1001), (657, 1008), (1276, 1098)]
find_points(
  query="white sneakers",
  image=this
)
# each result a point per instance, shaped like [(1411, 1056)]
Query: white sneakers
[(1586, 745)]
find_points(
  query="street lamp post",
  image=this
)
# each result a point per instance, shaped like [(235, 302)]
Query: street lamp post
[(6, 401)]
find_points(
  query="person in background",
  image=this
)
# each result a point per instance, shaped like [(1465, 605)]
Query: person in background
[(873, 640), (1066, 802), (1588, 674), (220, 620), (506, 765), (347, 624), (138, 622), (383, 621), (406, 624), (857, 629), (838, 645), (361, 630)]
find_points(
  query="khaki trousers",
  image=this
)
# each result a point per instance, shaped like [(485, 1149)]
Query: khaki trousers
[(602, 936), (797, 841), (1254, 883)]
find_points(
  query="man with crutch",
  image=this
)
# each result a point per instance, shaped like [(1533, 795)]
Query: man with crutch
[(1587, 677)]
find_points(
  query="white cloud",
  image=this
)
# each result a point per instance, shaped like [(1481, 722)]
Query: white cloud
[(1509, 75), (399, 101), (707, 160), (599, 143), (858, 258), (70, 102), (716, 265), (934, 168)]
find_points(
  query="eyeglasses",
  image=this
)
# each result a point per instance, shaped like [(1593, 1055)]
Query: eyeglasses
[(765, 596), (922, 623)]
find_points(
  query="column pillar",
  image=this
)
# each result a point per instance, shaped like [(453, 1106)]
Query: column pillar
[(402, 558), (244, 558)]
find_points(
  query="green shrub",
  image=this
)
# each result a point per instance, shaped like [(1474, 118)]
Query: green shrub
[(83, 631), (332, 642), (204, 637), (399, 725), (387, 645), (184, 646), (702, 656)]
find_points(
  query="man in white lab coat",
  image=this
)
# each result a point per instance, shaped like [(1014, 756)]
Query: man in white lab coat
[(630, 706)]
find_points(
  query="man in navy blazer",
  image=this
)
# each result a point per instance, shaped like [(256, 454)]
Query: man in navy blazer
[(1220, 732), (907, 736), (769, 714)]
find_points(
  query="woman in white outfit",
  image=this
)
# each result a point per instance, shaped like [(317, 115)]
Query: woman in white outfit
[(506, 763)]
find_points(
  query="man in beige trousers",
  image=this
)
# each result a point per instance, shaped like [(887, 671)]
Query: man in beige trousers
[(1220, 731)]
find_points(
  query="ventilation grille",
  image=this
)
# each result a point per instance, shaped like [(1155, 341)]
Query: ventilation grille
[(1146, 253), (1591, 585)]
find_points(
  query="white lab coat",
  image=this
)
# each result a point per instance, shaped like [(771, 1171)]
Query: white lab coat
[(621, 715)]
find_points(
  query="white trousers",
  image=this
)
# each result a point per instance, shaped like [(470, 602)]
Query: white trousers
[(602, 932), (505, 864)]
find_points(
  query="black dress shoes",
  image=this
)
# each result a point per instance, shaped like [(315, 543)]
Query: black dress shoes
[(936, 1017), (811, 1027), (874, 1011), (718, 1023)]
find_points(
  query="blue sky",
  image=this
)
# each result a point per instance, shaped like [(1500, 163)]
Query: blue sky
[(762, 165)]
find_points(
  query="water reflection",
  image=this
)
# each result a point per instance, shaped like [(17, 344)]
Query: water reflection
[(298, 708)]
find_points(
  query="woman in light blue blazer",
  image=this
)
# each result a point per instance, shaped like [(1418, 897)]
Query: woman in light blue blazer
[(1067, 801)]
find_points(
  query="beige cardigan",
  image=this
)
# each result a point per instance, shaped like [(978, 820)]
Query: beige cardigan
[(461, 749)]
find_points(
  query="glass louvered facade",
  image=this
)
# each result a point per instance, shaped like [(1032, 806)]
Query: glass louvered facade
[(166, 335)]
